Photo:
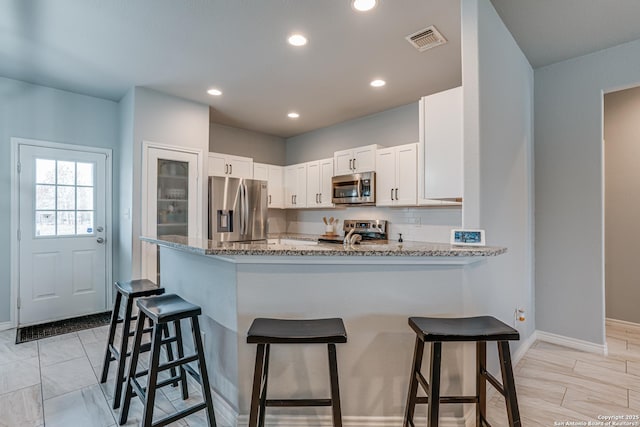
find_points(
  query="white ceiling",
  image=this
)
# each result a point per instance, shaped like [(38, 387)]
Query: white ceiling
[(550, 31), (104, 47)]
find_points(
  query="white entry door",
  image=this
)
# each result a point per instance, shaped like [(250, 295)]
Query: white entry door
[(62, 256)]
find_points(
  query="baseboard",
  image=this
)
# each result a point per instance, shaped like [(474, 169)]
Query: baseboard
[(524, 347), (347, 421), (574, 343), (6, 325), (622, 323)]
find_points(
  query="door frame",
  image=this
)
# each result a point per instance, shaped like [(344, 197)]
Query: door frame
[(16, 142)]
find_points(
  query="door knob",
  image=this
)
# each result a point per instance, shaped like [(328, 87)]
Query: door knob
[(99, 229), (100, 240)]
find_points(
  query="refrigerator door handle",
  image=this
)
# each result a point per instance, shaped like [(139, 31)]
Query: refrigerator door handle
[(246, 210)]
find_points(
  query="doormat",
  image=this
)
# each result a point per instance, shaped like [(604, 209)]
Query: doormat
[(59, 327)]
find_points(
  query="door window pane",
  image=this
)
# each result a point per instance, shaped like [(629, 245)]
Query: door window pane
[(46, 223), (64, 198), (85, 174), (45, 171), (85, 222), (85, 198), (66, 173), (66, 223), (45, 197)]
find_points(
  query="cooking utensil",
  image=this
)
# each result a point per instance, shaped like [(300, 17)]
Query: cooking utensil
[(331, 220), (324, 218)]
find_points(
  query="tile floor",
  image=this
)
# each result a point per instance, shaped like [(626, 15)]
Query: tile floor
[(54, 381)]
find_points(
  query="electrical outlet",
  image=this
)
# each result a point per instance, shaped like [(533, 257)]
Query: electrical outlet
[(414, 220), (204, 339)]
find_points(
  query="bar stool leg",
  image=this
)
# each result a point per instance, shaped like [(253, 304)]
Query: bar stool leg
[(481, 383), (183, 376), (509, 384), (112, 335), (434, 385), (335, 389), (133, 364), (122, 359), (257, 383), (413, 382), (204, 377), (169, 350), (152, 378), (263, 395)]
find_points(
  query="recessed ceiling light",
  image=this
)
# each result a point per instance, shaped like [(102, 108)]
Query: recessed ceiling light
[(363, 5), (378, 83), (293, 115), (214, 92), (297, 40)]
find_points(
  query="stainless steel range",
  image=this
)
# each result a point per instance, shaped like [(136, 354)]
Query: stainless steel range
[(357, 230)]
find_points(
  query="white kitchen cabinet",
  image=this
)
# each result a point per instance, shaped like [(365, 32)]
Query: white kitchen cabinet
[(172, 198), (396, 175), (295, 184), (319, 174), (231, 166), (440, 147), (275, 183), (355, 160)]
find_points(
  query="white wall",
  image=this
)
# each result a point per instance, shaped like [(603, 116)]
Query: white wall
[(569, 189), (622, 209), (38, 112), (162, 119), (498, 120), (261, 147)]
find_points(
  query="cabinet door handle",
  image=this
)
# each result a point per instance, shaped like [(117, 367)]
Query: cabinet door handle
[(320, 197), (295, 199), (226, 168), (392, 194), (269, 198), (351, 164), (396, 194), (230, 169), (354, 164)]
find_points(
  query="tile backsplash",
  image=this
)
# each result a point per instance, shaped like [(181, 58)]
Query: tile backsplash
[(415, 224)]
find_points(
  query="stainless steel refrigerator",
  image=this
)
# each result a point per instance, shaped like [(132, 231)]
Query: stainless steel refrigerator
[(237, 209)]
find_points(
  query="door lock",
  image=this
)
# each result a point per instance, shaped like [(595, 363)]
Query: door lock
[(99, 229)]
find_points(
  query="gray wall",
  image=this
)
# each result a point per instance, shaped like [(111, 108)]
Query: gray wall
[(162, 119), (569, 189), (261, 147), (37, 112), (498, 147), (389, 128), (622, 209)]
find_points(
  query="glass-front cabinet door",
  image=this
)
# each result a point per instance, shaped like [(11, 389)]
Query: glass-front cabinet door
[(172, 201), (173, 198)]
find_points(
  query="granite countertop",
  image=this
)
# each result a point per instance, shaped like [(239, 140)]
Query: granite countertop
[(275, 246)]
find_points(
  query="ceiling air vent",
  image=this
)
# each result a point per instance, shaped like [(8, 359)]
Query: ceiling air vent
[(426, 38)]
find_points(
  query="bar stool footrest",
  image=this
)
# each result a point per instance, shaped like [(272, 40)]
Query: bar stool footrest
[(178, 415), (449, 399), (297, 402)]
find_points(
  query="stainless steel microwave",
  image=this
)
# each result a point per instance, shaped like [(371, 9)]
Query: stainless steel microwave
[(354, 189)]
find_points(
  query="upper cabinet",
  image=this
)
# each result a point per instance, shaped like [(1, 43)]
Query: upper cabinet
[(295, 185), (440, 147), (396, 175), (355, 160), (231, 166), (274, 175), (319, 174)]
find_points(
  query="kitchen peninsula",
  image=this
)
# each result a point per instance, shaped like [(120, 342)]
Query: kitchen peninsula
[(373, 287)]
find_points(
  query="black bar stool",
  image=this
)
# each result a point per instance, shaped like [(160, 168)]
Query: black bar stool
[(162, 310), (479, 329), (130, 291), (265, 332)]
